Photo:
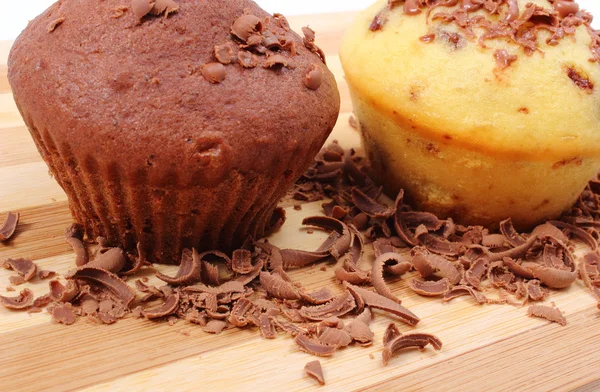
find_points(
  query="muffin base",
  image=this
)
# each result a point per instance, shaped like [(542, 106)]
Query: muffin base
[(472, 187), (165, 218)]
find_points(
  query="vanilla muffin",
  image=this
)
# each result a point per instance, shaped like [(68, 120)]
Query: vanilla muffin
[(172, 123), (479, 112)]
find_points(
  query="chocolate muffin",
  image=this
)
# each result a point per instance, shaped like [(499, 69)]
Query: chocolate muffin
[(174, 124)]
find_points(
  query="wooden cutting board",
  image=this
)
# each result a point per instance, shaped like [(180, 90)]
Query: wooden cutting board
[(485, 347)]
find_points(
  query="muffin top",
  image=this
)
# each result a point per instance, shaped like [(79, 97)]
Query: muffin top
[(203, 87), (516, 78)]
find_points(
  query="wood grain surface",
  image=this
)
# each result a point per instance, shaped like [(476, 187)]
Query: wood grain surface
[(487, 347)]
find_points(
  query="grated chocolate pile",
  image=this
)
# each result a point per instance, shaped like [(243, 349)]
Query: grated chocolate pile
[(251, 289)]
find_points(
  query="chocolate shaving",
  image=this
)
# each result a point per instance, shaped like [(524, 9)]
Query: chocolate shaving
[(553, 277), (391, 333), (313, 347), (499, 275), (536, 292), (317, 297), (141, 8), (378, 21), (215, 326), (42, 301), (580, 81), (314, 370), (293, 258), (377, 301), (338, 306), (245, 26), (241, 261), (369, 206), (246, 279), (314, 77), (309, 43), (420, 261), (63, 314), (578, 232), (74, 236), (549, 230), (512, 237), (518, 268), (164, 7), (515, 252), (548, 313), (277, 287), (430, 288), (227, 287), (9, 226), (273, 253), (247, 59), (338, 247), (428, 263), (401, 228), (224, 53), (140, 261), (334, 337), (168, 307), (189, 270), (493, 241), (459, 291), (412, 340), (267, 329), (289, 328), (377, 274), (241, 311), (359, 328), (16, 280), (112, 260), (418, 218), (62, 293), (55, 23), (504, 59), (24, 267), (478, 270), (277, 60), (354, 277), (437, 245), (214, 72), (45, 274), (23, 301), (107, 279)]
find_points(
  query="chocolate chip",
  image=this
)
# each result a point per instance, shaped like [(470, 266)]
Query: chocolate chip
[(504, 59), (141, 8), (164, 7), (314, 77), (245, 26), (224, 53), (214, 72), (580, 79), (277, 61), (247, 59)]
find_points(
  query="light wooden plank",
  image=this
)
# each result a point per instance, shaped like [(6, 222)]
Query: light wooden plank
[(17, 147), (503, 347), (465, 329), (28, 185), (9, 114)]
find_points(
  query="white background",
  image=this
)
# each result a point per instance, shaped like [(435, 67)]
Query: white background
[(14, 14)]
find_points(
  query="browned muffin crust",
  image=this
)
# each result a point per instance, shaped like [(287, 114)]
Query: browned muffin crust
[(160, 122)]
